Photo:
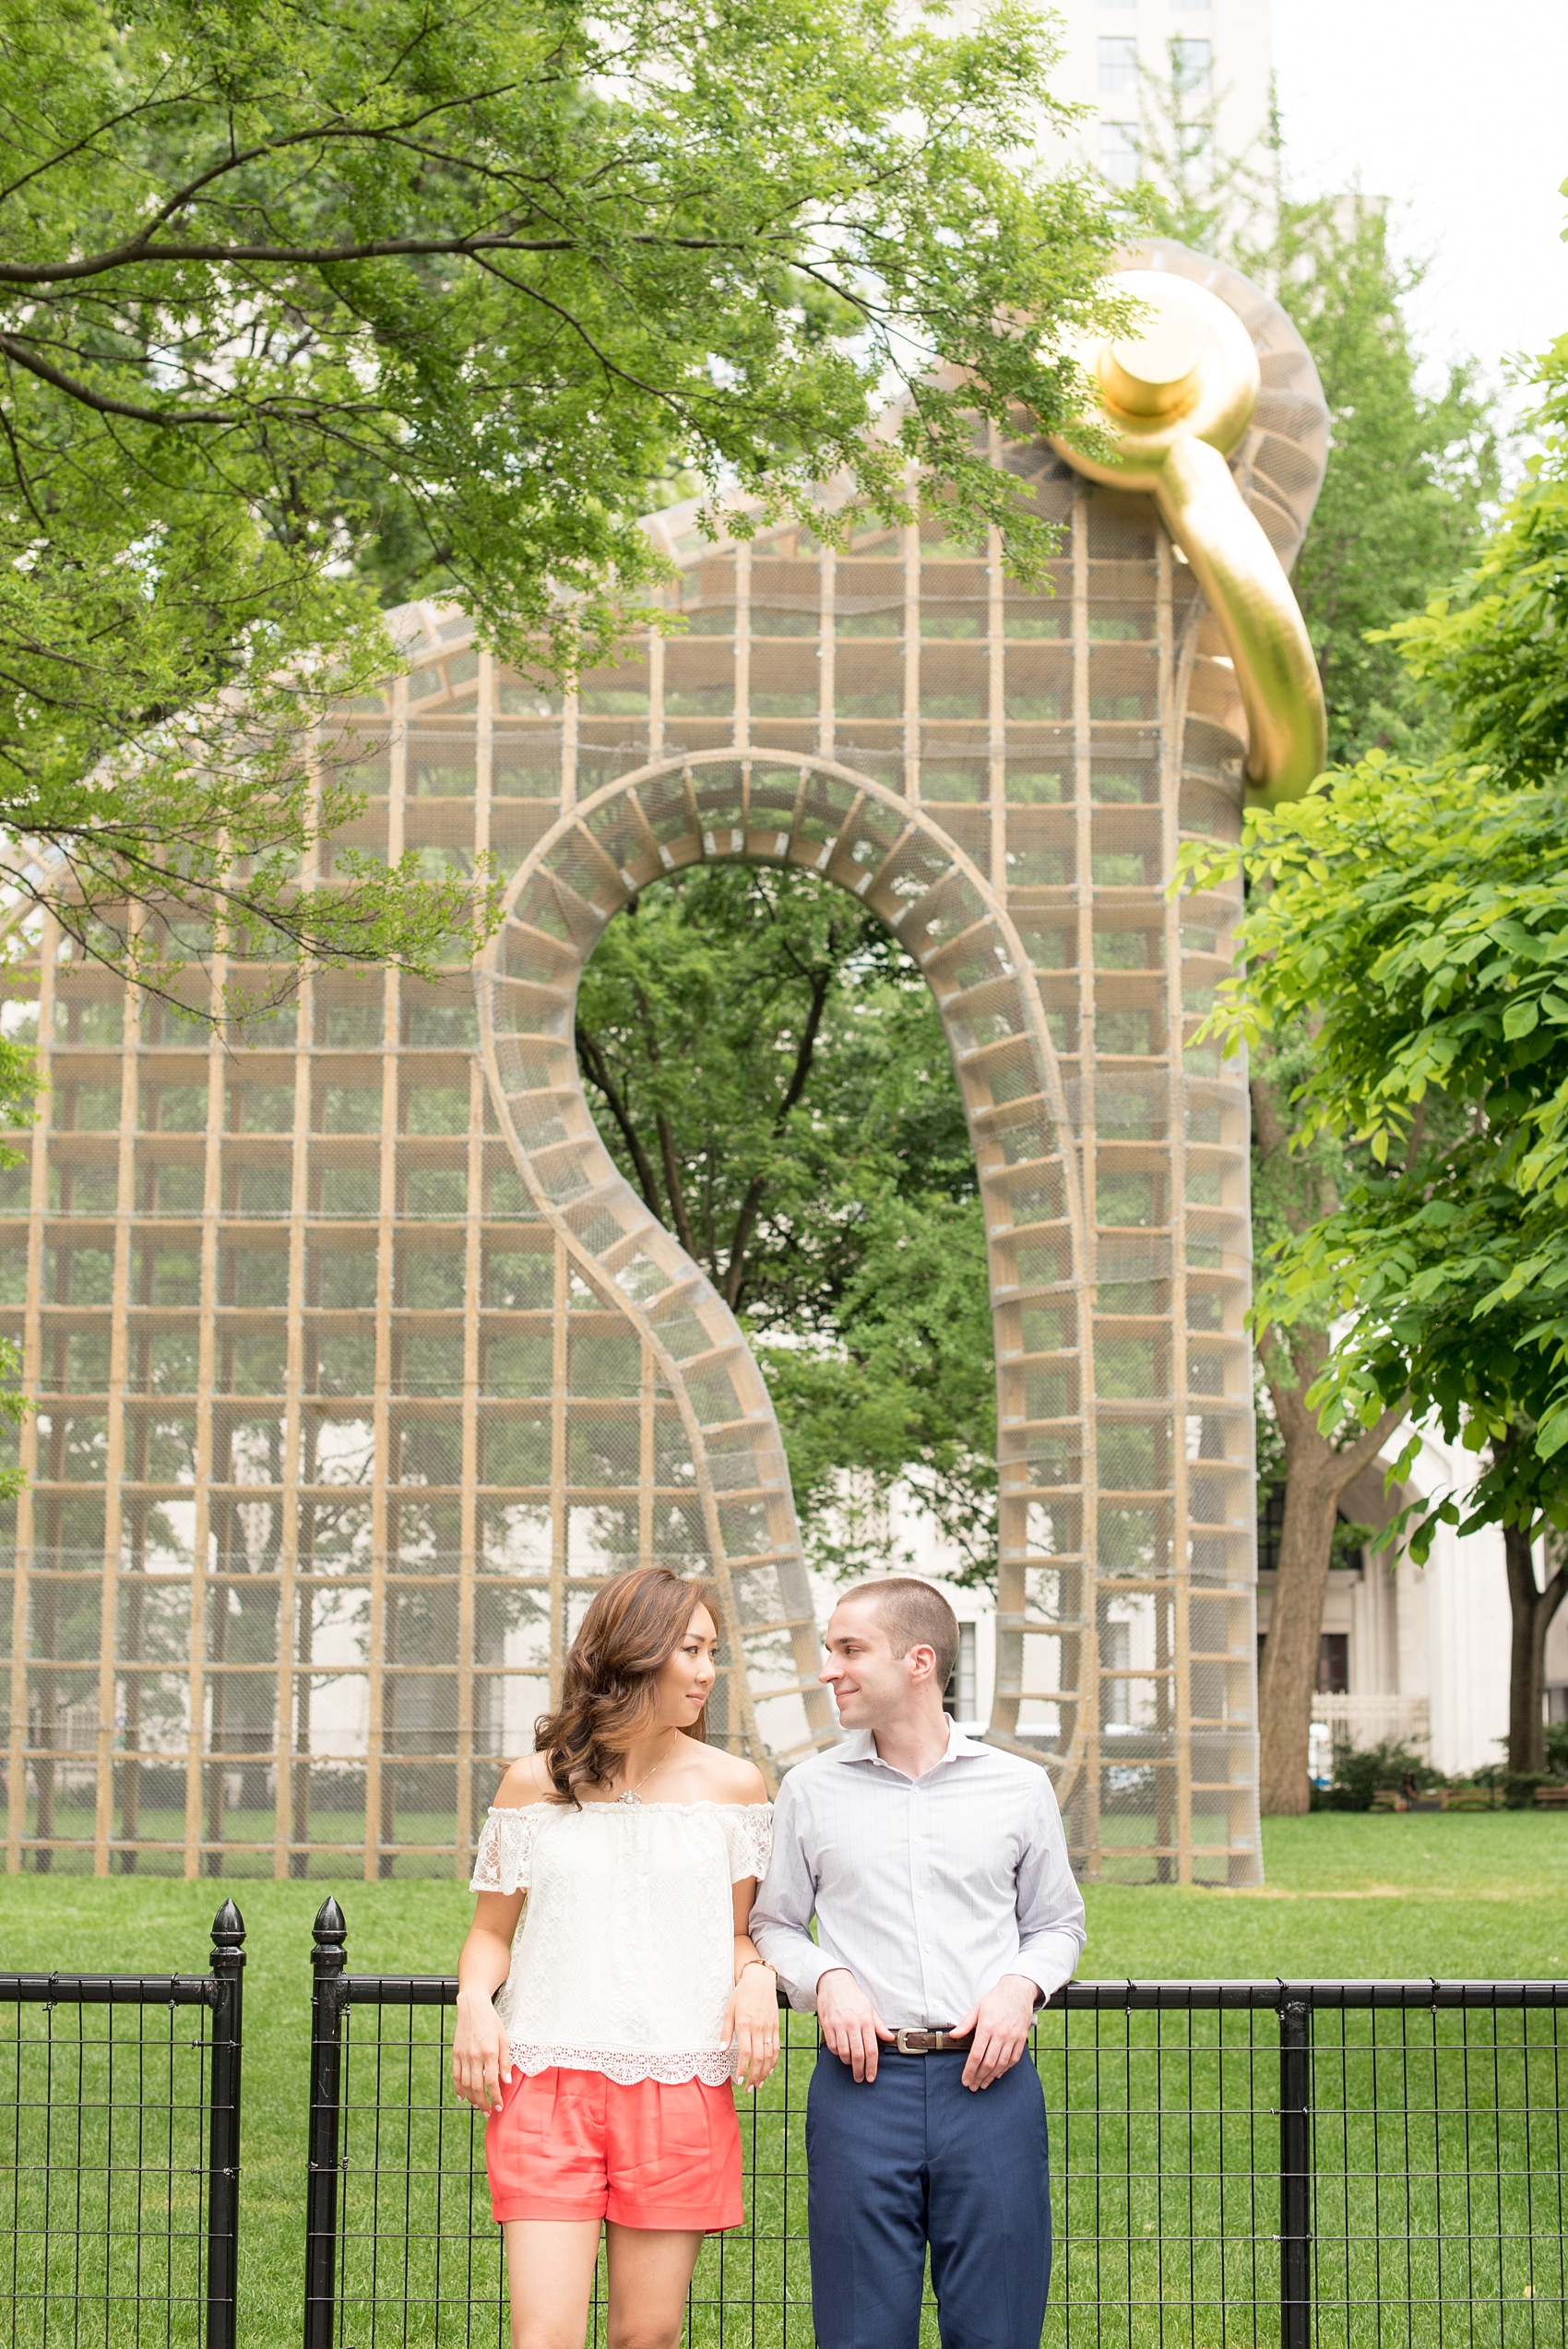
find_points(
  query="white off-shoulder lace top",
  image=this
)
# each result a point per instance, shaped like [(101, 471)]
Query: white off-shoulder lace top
[(623, 1958)]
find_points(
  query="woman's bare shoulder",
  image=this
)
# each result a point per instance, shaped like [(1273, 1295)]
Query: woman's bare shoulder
[(526, 1783), (730, 1778)]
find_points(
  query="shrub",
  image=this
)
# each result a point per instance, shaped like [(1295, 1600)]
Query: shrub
[(1360, 1773)]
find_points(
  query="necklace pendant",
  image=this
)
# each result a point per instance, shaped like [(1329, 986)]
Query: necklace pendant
[(630, 1796)]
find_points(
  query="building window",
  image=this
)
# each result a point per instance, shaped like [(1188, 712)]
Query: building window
[(1334, 1664), (960, 1698), (1191, 65), (1271, 1526), (1118, 152), (1119, 62)]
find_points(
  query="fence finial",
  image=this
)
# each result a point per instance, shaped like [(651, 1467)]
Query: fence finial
[(330, 1932), (228, 1929)]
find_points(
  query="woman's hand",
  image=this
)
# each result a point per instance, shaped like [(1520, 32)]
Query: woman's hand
[(751, 2020), (482, 2054)]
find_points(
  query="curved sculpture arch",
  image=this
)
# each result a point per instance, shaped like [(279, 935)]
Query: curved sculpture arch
[(822, 818), (340, 1419)]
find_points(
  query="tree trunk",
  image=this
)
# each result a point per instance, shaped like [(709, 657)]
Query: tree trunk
[(1531, 1610), (1316, 1476), (1316, 1472), (1287, 1673)]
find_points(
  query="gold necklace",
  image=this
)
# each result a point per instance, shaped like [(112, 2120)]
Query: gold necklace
[(631, 1794)]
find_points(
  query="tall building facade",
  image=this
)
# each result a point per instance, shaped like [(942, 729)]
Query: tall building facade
[(1121, 55), (359, 1366)]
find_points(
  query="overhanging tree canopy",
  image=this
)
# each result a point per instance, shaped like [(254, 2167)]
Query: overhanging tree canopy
[(303, 304)]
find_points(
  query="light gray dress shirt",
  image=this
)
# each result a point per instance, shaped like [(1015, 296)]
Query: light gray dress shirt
[(928, 1889)]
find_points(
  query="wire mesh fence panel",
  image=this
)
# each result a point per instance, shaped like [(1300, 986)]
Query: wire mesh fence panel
[(420, 2259), (104, 2173), (119, 2154), (1165, 2174), (1330, 2166), (1438, 2196)]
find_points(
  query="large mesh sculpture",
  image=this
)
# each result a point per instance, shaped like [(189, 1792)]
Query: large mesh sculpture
[(359, 1365)]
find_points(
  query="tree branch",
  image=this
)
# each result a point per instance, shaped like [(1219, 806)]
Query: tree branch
[(676, 1188), (591, 1055), (746, 1220), (673, 1182), (740, 1240), (103, 403)]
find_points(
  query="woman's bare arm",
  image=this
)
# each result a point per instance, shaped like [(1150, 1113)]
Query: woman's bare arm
[(482, 2056), (751, 2016)]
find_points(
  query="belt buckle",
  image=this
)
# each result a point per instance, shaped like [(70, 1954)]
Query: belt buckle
[(901, 2040)]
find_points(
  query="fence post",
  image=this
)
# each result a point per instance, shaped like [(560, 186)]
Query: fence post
[(327, 1960), (1295, 2174), (223, 2143)]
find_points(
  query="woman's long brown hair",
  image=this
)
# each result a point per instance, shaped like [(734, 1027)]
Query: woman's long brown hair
[(608, 1697)]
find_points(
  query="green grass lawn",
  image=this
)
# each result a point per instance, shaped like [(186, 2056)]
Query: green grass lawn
[(1479, 1895)]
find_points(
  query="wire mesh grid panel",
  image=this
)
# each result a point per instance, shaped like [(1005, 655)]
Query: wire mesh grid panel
[(104, 2174), (419, 2260), (1427, 2208), (359, 1366), (1165, 2188), (1438, 2188)]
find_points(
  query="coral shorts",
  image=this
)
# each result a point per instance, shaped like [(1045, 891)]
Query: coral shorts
[(575, 2145)]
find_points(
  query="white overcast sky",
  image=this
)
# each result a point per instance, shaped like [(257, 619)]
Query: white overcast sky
[(1458, 111)]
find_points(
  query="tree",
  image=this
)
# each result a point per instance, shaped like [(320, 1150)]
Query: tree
[(1420, 915), (774, 1081), (1410, 476), (305, 303), (1495, 645)]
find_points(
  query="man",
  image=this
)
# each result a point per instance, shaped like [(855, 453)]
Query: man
[(947, 1911)]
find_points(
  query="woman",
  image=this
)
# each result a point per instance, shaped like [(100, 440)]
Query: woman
[(599, 2039)]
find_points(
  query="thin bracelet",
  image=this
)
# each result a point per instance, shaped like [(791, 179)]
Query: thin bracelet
[(763, 1963)]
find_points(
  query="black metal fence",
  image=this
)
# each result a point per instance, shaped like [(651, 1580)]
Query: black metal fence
[(119, 2186), (1330, 2166)]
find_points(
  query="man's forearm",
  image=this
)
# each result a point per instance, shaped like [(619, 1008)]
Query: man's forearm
[(1049, 1957), (793, 1955)]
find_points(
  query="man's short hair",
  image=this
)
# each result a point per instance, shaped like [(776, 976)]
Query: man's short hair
[(913, 1615)]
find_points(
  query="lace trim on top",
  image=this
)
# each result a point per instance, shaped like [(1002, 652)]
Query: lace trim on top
[(503, 1861), (751, 1838), (714, 2068)]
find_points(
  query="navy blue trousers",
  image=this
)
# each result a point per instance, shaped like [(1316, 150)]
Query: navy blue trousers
[(914, 2158)]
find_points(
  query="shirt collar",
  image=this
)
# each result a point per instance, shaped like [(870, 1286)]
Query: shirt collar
[(860, 1746)]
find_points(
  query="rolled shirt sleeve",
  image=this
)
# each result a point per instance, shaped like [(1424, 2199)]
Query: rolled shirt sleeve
[(1051, 1928), (786, 1900)]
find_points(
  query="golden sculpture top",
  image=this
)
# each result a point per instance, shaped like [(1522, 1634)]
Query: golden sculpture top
[(1175, 395)]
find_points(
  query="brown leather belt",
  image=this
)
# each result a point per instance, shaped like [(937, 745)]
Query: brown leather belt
[(933, 2043)]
